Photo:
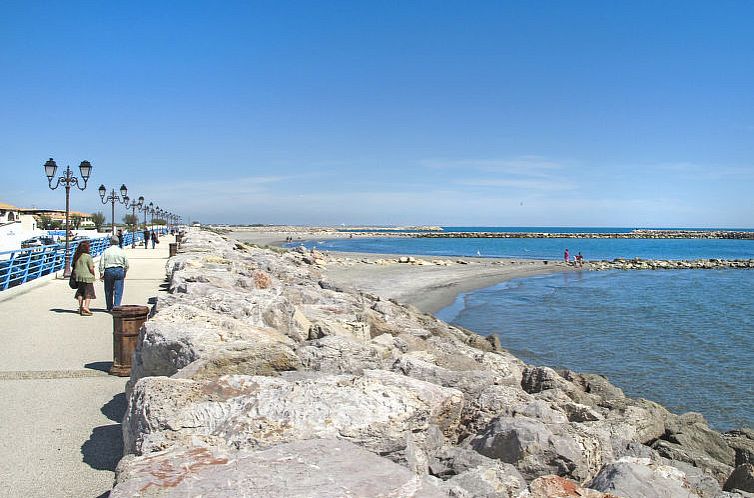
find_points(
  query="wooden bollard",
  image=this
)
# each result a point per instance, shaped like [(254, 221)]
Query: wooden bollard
[(127, 321)]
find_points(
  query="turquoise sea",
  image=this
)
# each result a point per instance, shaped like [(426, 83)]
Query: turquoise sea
[(683, 338)]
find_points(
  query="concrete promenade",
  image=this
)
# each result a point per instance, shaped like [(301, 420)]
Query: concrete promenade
[(60, 411)]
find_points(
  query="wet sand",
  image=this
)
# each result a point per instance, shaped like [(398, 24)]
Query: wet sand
[(429, 282)]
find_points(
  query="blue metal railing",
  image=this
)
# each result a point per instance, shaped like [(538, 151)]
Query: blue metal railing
[(22, 265)]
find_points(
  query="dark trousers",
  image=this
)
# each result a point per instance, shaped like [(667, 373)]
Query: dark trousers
[(114, 278)]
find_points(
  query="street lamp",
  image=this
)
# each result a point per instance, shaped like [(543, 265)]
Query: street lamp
[(113, 198), (155, 210), (145, 210), (134, 205), (85, 168)]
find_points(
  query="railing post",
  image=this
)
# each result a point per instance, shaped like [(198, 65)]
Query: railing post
[(26, 267)]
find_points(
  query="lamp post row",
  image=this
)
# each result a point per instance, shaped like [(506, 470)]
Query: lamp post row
[(85, 169)]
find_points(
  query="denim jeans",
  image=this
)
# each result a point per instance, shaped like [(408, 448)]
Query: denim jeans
[(114, 286)]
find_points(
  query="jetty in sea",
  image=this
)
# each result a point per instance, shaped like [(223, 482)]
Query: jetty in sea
[(60, 411), (633, 234)]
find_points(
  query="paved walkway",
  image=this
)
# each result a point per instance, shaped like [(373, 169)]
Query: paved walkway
[(60, 411)]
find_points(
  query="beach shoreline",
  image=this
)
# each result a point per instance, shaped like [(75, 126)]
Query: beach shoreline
[(430, 283)]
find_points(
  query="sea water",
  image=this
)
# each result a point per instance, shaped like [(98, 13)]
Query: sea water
[(682, 338), (545, 249)]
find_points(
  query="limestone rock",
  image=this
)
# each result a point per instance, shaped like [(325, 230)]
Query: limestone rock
[(495, 480), (560, 487), (741, 479), (535, 448), (318, 467), (742, 442), (181, 334), (339, 354), (640, 477), (379, 410), (688, 439)]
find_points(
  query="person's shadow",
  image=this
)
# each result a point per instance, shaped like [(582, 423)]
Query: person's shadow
[(60, 310), (104, 448)]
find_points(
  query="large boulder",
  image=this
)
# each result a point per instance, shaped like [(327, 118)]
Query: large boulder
[(689, 439), (642, 477), (381, 411), (741, 479), (494, 480), (560, 487), (536, 448), (182, 334), (742, 442), (318, 467), (339, 354)]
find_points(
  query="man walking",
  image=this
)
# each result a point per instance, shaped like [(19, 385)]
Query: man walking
[(113, 266), (146, 238)]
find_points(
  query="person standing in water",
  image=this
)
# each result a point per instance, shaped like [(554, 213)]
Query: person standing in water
[(567, 256)]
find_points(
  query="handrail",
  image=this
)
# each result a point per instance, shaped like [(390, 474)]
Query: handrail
[(23, 265)]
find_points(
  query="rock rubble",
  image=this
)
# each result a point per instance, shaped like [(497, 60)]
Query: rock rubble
[(663, 264), (257, 377), (633, 234)]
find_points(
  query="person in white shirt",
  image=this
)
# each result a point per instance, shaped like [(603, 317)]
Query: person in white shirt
[(113, 266)]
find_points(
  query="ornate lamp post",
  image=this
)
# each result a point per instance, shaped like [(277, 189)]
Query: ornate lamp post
[(134, 205), (160, 215), (113, 198), (145, 209), (155, 210), (85, 168)]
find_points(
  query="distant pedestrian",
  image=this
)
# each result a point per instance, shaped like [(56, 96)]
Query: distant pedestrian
[(120, 238), (567, 256), (580, 260), (83, 271), (146, 238), (113, 266), (155, 240)]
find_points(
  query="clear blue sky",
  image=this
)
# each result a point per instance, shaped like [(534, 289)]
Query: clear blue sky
[(590, 113)]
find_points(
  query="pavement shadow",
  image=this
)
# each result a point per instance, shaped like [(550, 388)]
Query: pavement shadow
[(61, 310), (104, 448), (115, 409), (101, 366)]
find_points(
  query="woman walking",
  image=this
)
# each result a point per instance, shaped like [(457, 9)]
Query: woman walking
[(83, 270)]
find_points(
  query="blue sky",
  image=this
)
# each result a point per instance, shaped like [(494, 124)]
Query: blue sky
[(456, 113)]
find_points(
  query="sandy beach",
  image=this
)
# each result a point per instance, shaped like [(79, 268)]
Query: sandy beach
[(428, 282)]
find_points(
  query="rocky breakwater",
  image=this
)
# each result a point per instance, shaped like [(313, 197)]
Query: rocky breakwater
[(256, 377), (633, 234), (662, 264)]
